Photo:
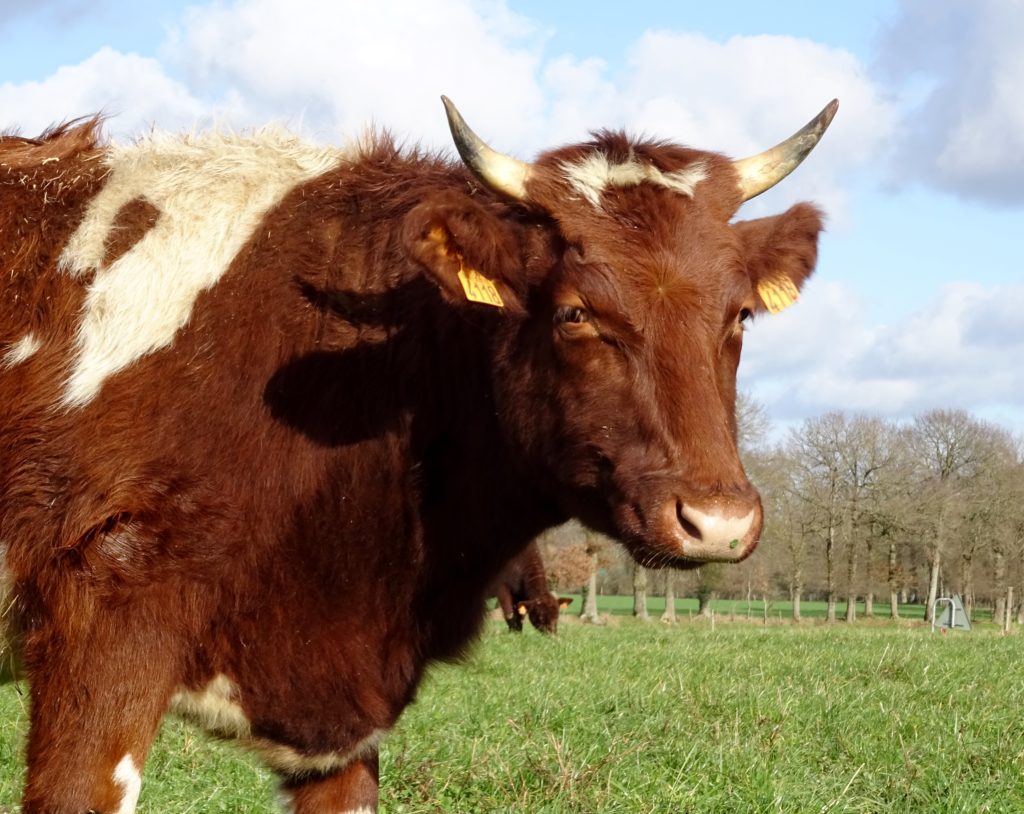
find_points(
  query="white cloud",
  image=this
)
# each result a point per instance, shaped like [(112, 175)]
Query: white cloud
[(330, 68), (142, 94), (964, 65), (962, 349), (738, 97), (341, 65)]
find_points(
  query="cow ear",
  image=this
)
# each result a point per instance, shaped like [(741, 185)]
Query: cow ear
[(780, 253), (521, 608), (564, 602), (468, 251)]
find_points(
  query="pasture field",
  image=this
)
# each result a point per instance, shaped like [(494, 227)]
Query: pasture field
[(637, 718)]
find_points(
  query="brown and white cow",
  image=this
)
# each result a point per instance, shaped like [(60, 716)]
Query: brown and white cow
[(273, 416), (522, 590)]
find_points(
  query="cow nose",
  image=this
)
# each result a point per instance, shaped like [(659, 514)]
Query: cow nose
[(717, 529)]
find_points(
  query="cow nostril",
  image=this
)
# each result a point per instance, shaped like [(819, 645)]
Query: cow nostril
[(686, 524)]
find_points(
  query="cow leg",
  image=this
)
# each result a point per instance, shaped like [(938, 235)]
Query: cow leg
[(98, 694), (352, 790)]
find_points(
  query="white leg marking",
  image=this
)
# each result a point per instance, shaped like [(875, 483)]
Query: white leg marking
[(212, 193), (127, 776), (18, 352)]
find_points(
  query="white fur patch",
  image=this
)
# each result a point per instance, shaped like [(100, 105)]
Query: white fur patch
[(18, 352), (590, 176), (212, 192), (288, 804), (288, 761), (126, 775), (214, 708)]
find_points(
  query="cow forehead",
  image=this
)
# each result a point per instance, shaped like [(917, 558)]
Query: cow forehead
[(654, 256)]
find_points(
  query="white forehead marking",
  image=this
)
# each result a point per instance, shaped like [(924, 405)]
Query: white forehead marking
[(212, 192), (127, 776), (18, 352), (590, 176)]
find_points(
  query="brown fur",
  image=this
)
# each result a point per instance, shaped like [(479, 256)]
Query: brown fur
[(310, 491)]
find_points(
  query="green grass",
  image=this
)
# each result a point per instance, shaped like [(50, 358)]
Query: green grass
[(641, 718)]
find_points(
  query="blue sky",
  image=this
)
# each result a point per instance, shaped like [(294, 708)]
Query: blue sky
[(919, 297)]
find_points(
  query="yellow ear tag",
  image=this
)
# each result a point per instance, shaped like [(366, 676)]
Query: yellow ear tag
[(478, 288), (777, 293)]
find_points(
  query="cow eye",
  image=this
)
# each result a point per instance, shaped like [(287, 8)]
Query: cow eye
[(744, 315), (571, 314)]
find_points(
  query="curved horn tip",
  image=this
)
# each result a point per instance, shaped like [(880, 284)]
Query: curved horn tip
[(761, 172), (501, 173)]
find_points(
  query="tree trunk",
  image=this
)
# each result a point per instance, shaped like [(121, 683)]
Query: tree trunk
[(869, 591), (704, 602), (935, 562), (933, 584), (798, 590), (968, 586), (851, 564), (589, 612), (669, 614), (830, 552), (640, 593), (999, 577), (894, 605)]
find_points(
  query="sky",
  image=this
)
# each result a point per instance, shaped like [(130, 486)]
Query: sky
[(918, 300)]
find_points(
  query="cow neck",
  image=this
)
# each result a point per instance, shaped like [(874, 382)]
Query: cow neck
[(435, 360)]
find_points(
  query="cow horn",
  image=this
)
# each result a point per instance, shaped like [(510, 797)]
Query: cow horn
[(500, 173), (765, 170)]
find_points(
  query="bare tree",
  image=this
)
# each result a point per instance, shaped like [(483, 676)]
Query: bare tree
[(815, 448), (640, 593), (947, 450), (709, 578)]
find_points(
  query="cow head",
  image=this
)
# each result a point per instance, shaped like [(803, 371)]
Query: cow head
[(625, 286), (543, 612)]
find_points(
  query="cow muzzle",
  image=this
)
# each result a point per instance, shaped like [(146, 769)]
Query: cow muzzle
[(715, 529)]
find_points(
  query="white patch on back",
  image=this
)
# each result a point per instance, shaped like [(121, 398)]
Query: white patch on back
[(18, 352), (212, 192), (126, 775), (590, 176)]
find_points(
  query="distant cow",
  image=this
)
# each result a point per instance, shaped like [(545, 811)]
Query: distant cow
[(273, 416), (522, 589)]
